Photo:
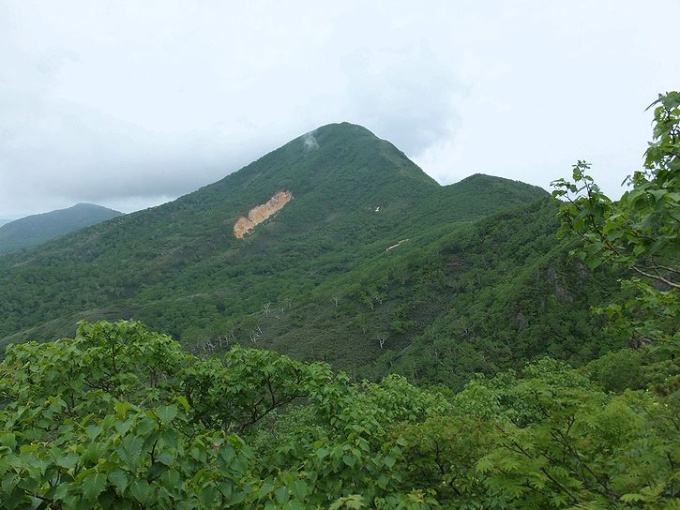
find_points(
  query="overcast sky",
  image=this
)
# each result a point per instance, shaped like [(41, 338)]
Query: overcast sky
[(129, 104)]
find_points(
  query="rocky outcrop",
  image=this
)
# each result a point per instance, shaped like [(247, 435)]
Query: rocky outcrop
[(261, 212)]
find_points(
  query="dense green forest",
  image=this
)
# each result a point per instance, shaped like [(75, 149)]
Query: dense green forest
[(179, 268), (118, 417), (122, 417), (372, 267)]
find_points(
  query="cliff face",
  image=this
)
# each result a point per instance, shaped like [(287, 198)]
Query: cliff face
[(261, 212)]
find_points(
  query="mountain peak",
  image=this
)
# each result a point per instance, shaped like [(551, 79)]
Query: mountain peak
[(39, 228), (319, 207), (479, 181)]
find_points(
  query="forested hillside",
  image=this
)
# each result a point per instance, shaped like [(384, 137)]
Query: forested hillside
[(475, 299), (39, 228), (371, 266), (122, 417), (180, 269)]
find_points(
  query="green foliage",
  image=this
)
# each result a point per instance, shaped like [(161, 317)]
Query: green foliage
[(636, 369), (619, 370), (551, 437), (178, 268), (238, 390), (120, 417), (479, 298), (438, 284), (100, 421), (548, 440), (640, 232)]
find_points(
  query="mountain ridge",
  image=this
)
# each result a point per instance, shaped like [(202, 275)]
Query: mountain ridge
[(39, 228), (318, 275)]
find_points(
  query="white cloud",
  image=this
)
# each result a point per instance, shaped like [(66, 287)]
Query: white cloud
[(135, 102)]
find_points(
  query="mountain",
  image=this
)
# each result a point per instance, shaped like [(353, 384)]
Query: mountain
[(36, 229), (448, 302), (353, 255)]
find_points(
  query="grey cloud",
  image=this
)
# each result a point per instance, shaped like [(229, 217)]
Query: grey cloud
[(405, 94), (70, 154)]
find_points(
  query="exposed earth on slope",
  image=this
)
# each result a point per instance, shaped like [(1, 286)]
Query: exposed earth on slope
[(261, 212)]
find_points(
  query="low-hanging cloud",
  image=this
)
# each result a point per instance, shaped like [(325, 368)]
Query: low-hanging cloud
[(309, 141), (68, 154)]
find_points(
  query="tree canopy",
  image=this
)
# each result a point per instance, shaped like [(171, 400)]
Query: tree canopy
[(121, 417)]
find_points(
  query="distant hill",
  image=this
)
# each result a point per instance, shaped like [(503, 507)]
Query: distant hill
[(352, 255), (36, 229)]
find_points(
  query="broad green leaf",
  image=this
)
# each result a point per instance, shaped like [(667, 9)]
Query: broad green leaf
[(8, 439), (119, 479), (92, 485), (139, 489), (93, 431), (167, 413)]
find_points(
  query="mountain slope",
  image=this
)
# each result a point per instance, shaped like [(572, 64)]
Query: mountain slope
[(179, 267), (367, 263), (39, 228), (477, 298)]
